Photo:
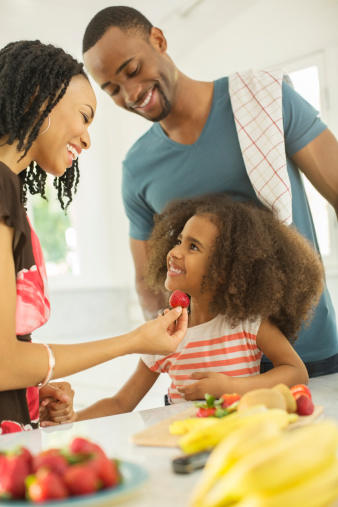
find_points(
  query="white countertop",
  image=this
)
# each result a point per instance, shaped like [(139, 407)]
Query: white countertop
[(164, 488)]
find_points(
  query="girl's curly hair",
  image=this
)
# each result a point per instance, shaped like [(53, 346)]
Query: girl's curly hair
[(33, 79), (258, 267)]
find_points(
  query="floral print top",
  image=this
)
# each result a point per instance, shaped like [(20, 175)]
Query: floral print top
[(19, 408)]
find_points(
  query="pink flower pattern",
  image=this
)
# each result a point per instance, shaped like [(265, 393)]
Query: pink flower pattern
[(13, 427), (32, 304), (32, 311)]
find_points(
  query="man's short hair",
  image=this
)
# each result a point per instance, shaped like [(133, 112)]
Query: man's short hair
[(121, 16)]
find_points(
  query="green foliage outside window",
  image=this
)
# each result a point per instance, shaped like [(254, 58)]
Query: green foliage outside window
[(51, 223)]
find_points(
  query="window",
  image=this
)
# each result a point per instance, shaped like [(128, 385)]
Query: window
[(56, 234)]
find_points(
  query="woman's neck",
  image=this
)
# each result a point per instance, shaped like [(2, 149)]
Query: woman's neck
[(200, 311)]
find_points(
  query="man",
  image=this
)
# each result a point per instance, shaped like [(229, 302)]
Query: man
[(193, 148)]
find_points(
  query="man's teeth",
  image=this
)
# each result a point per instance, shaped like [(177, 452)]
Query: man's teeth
[(73, 151), (147, 99)]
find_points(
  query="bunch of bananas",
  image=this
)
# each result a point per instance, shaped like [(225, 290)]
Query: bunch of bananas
[(260, 465), (201, 435)]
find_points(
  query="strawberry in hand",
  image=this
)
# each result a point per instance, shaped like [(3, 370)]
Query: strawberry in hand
[(179, 298)]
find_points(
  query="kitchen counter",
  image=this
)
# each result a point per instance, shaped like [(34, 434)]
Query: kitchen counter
[(164, 488)]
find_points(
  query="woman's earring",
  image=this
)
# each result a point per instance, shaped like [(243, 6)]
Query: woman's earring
[(44, 131)]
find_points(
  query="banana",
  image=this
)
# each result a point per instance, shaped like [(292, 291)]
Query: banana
[(203, 438), (231, 449), (295, 457), (185, 425), (317, 491)]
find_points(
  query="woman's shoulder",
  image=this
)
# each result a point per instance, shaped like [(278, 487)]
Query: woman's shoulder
[(9, 183), (12, 212)]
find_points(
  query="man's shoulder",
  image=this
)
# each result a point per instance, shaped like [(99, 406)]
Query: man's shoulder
[(136, 151)]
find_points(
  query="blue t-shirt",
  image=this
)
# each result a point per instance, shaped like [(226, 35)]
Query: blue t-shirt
[(157, 170)]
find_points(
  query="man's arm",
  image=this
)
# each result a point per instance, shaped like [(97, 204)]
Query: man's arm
[(318, 160), (150, 301)]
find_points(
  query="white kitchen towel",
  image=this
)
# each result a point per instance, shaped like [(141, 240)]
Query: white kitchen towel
[(256, 99)]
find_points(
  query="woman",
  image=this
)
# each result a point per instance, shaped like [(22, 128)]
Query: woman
[(47, 105)]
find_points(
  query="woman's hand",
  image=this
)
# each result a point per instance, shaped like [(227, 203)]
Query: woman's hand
[(162, 335), (56, 404), (212, 383)]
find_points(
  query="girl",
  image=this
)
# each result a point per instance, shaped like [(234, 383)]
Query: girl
[(251, 281), (47, 105)]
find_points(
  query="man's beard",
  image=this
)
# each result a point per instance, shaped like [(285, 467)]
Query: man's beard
[(166, 105), (165, 110)]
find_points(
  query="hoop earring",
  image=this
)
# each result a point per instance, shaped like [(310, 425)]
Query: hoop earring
[(44, 131)]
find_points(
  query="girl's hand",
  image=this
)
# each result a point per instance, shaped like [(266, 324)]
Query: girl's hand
[(162, 335), (208, 382), (56, 404)]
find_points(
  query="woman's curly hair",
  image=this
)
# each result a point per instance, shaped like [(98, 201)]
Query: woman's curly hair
[(33, 79), (258, 267)]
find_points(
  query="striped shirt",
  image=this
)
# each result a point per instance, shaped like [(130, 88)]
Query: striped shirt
[(213, 346)]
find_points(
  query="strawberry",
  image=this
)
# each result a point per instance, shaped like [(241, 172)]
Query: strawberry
[(206, 412), (304, 405), (82, 479), (229, 399), (45, 485), (107, 471), (51, 459), (179, 298), (81, 445), (300, 389), (14, 468)]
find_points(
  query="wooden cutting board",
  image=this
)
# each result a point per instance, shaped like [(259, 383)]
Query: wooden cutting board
[(158, 435)]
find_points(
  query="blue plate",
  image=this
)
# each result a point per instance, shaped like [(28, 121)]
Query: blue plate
[(133, 478)]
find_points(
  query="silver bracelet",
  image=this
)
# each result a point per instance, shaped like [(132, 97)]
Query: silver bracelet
[(51, 364)]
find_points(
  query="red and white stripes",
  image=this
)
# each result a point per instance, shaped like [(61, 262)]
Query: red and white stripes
[(210, 347)]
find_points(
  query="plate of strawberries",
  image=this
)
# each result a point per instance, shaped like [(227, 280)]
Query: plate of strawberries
[(78, 475)]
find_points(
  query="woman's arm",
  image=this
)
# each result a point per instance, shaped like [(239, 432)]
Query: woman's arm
[(288, 368), (126, 399), (25, 364)]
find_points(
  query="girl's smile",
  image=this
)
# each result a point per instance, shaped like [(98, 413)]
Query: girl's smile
[(187, 262), (173, 268)]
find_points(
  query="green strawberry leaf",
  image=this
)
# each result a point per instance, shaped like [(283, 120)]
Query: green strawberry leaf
[(210, 400), (221, 412)]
